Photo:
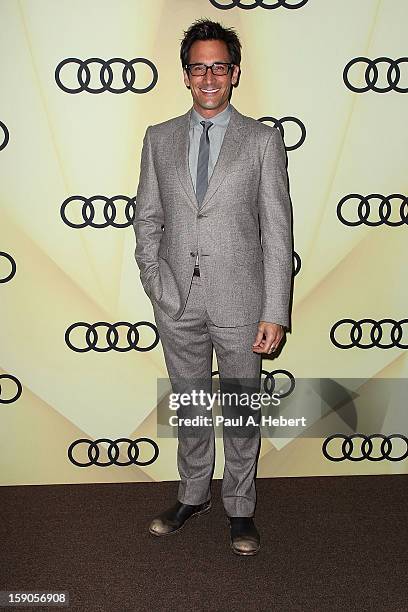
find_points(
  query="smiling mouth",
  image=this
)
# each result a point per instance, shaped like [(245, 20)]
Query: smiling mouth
[(209, 91)]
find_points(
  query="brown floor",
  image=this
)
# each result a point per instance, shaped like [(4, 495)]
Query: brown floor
[(327, 544)]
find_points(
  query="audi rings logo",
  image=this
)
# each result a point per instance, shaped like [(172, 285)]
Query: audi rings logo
[(279, 124), (384, 209), (390, 74), (229, 4), (269, 382), (365, 448), (394, 330), (109, 211), (5, 279), (113, 452), (11, 391), (5, 137), (112, 336), (83, 75)]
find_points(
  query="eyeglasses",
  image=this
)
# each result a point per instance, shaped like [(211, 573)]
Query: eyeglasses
[(218, 68)]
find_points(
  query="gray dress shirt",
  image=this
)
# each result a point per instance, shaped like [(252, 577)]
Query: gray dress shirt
[(216, 136)]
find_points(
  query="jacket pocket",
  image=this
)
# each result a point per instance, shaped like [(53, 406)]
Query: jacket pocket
[(241, 165)]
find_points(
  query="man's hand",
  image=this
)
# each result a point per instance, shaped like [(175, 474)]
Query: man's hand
[(273, 333)]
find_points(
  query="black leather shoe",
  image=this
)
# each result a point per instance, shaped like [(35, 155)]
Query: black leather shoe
[(245, 538), (173, 519)]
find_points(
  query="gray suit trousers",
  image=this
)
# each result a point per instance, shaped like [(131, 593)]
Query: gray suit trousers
[(187, 346)]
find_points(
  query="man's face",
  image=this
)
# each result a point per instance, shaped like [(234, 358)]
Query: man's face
[(210, 93)]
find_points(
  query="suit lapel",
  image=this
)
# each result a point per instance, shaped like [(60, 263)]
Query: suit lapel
[(231, 146), (181, 144)]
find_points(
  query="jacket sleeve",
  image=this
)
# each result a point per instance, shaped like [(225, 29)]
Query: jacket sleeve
[(276, 232), (149, 217)]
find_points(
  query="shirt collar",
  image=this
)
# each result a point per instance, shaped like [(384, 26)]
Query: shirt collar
[(221, 119)]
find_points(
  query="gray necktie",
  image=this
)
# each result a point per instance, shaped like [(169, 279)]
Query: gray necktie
[(202, 163)]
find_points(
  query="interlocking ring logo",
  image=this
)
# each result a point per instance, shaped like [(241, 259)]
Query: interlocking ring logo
[(6, 136), (109, 211), (366, 447), (16, 383), (384, 209), (395, 331), (269, 382), (392, 76), (279, 124), (113, 452), (13, 265), (106, 75), (229, 4), (111, 336)]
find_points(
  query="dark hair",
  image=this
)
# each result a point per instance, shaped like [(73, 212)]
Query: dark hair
[(204, 29)]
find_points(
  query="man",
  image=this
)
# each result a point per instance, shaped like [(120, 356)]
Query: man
[(212, 181)]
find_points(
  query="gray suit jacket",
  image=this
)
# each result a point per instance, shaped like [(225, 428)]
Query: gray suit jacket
[(242, 231)]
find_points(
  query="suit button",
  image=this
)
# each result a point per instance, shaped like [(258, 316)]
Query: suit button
[(200, 216)]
